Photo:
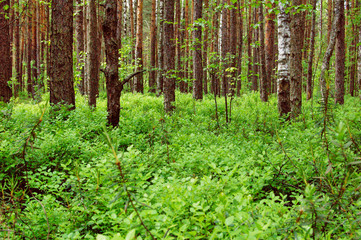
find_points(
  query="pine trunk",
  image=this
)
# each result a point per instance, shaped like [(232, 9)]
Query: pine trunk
[(153, 47), (138, 80), (61, 54), (311, 54), (265, 78), (340, 56), (197, 52)]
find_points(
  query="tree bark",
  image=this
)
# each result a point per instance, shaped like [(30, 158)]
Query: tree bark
[(138, 80), (169, 49), (197, 52), (79, 34), (61, 50), (283, 86), (297, 28), (265, 78), (330, 47), (92, 54), (311, 54), (153, 45), (224, 48), (256, 73), (340, 56), (5, 54), (160, 77), (233, 42), (269, 45), (111, 72)]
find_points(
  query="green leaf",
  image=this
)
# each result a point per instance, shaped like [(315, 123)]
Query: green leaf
[(130, 235), (229, 220)]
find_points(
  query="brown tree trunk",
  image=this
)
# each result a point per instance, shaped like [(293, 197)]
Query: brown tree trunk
[(30, 87), (34, 46), (311, 54), (153, 45), (269, 44), (92, 54), (340, 56), (169, 49), (61, 50), (17, 53), (329, 19), (138, 80), (197, 52), (112, 55), (233, 42), (5, 54), (297, 28), (132, 31), (224, 48), (265, 78), (160, 78), (79, 33), (249, 42), (205, 47), (119, 22), (240, 47), (256, 73)]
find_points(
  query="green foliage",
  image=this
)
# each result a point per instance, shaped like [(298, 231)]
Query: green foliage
[(187, 176)]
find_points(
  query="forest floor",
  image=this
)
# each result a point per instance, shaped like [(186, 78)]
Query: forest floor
[(185, 176)]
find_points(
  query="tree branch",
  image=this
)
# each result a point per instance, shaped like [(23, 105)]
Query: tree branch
[(130, 76)]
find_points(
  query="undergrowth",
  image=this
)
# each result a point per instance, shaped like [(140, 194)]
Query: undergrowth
[(184, 176)]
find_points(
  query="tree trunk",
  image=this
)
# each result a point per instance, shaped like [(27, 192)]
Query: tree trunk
[(283, 86), (92, 54), (29, 83), (17, 53), (330, 47), (224, 47), (311, 54), (265, 78), (138, 81), (256, 73), (197, 52), (169, 49), (79, 34), (233, 42), (153, 47), (5, 54), (112, 55), (249, 42), (160, 77), (297, 28), (340, 56), (329, 19), (240, 47), (269, 44), (61, 50), (359, 63)]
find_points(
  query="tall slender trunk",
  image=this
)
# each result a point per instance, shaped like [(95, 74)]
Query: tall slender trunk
[(224, 48), (256, 73), (160, 77), (153, 46), (61, 49), (311, 54), (249, 42), (265, 78), (30, 87), (169, 58), (340, 56), (205, 47), (283, 83), (197, 52), (93, 72), (5, 53), (79, 34), (240, 47), (138, 80), (269, 44), (297, 28), (112, 55), (329, 19)]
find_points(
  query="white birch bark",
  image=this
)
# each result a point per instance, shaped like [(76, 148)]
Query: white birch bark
[(283, 82)]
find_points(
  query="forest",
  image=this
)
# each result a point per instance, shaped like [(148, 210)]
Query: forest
[(180, 119)]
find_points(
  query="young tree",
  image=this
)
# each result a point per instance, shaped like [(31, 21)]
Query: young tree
[(340, 56), (197, 52), (5, 55), (169, 57), (138, 81), (61, 53), (283, 88), (297, 28)]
